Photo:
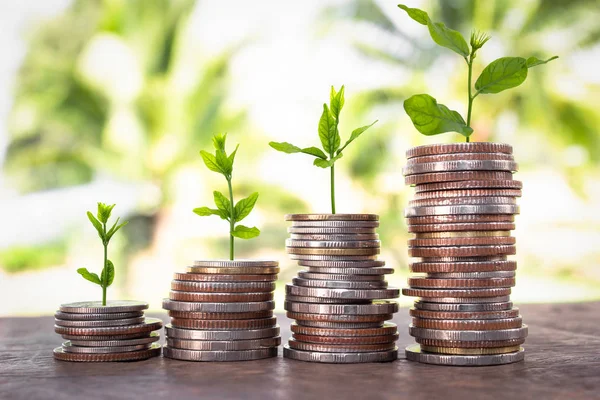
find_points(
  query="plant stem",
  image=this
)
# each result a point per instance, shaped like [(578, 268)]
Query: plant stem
[(231, 220), (333, 189), (471, 98), (105, 277)]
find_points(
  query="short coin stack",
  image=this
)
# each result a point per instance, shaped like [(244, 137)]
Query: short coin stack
[(462, 216), (223, 311), (117, 331), (337, 299)]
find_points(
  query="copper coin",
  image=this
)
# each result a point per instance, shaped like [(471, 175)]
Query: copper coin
[(224, 278), (239, 263), (344, 340), (460, 234), (342, 264), (335, 224), (334, 238), (462, 200), (330, 284), (464, 259), (233, 270), (471, 275), (463, 293), (331, 217), (471, 345), (333, 252), (459, 219), (460, 157), (344, 348), (227, 324), (449, 148), (153, 351), (461, 283), (151, 324), (331, 231), (464, 307), (450, 194), (468, 324), (470, 351), (387, 329), (340, 325), (459, 165), (340, 277), (339, 318), (220, 297), (462, 241), (99, 323), (512, 313), (473, 266), (466, 300), (96, 317), (434, 177), (217, 315), (464, 251), (223, 287), (312, 257), (137, 335), (470, 184), (323, 300), (330, 244)]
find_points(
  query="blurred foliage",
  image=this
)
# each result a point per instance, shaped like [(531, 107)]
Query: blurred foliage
[(21, 258)]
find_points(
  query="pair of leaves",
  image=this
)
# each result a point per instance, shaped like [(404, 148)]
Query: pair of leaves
[(220, 162), (241, 210), (104, 235), (506, 73), (105, 279)]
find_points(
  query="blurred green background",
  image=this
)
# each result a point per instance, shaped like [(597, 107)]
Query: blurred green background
[(112, 100)]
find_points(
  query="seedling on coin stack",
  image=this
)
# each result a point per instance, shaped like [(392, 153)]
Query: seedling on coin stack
[(336, 298), (462, 216), (222, 310), (105, 331)]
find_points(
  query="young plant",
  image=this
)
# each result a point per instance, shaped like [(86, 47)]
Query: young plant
[(100, 222), (221, 163), (330, 139), (431, 118)]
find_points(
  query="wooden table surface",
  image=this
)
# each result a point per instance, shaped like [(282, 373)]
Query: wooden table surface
[(562, 362)]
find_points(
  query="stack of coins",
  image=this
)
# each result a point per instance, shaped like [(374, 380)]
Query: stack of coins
[(462, 215), (223, 311), (117, 331), (336, 300)]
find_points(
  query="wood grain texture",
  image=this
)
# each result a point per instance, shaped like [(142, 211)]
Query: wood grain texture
[(562, 362)]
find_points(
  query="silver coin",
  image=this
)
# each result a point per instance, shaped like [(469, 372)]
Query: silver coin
[(147, 326), (227, 287), (465, 300), (414, 353), (340, 325), (354, 244), (223, 345), (152, 351), (422, 305), (460, 165), (378, 307), (388, 328), (235, 263), (96, 307), (96, 317), (107, 337), (351, 271), (314, 257), (331, 217), (332, 231), (335, 224), (68, 347), (341, 264), (328, 238), (339, 284), (471, 275), (340, 277), (173, 305), (370, 294), (99, 324), (464, 209), (197, 334), (473, 259), (452, 201), (154, 336), (496, 314), (469, 336), (322, 300), (239, 355), (340, 358)]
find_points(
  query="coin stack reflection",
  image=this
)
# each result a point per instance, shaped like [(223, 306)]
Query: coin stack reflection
[(462, 217), (338, 298), (223, 311), (117, 331)]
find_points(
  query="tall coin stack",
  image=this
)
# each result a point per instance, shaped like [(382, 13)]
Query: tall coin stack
[(336, 300), (223, 311), (117, 331), (462, 215)]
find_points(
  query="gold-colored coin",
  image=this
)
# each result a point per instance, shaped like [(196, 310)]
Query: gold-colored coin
[(233, 270), (467, 351), (333, 252), (460, 234)]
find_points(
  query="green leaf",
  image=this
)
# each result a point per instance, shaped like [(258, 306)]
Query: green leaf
[(501, 74), (418, 15), (327, 163), (534, 61), (223, 162), (431, 118), (90, 276), (116, 226), (219, 141), (205, 212), (332, 94), (337, 102), (108, 274), (232, 155), (96, 224), (211, 162), (243, 232), (289, 148), (104, 212), (222, 203), (328, 133), (245, 206), (355, 134)]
